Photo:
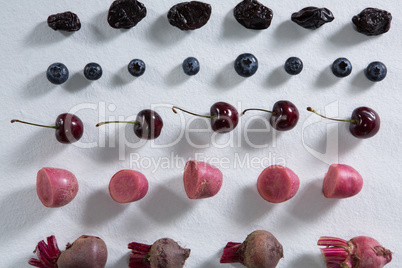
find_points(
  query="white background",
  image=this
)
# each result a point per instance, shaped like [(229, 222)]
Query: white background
[(29, 46)]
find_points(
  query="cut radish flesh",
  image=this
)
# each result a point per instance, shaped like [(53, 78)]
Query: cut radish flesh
[(128, 186), (342, 181), (277, 184), (56, 187)]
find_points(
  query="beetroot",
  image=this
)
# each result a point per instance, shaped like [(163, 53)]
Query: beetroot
[(56, 187), (277, 184), (201, 180), (342, 181), (260, 250), (359, 252), (164, 253), (128, 186), (85, 252)]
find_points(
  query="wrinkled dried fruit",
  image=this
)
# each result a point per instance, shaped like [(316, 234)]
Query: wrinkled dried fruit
[(312, 17), (189, 15), (126, 13), (66, 21), (372, 21), (253, 15)]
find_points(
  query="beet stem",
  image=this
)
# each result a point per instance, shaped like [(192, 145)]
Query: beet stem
[(230, 253), (47, 254), (139, 257)]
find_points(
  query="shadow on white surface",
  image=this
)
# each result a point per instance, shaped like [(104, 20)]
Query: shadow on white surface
[(326, 78), (287, 32), (347, 36), (101, 31), (360, 83), (100, 208), (43, 35), (38, 86), (22, 261), (347, 142), (21, 210), (232, 30), (122, 262), (307, 261), (165, 205), (314, 203), (117, 144), (251, 206), (193, 140), (76, 82), (122, 78), (227, 78), (278, 77), (176, 76), (41, 143), (162, 33), (251, 139)]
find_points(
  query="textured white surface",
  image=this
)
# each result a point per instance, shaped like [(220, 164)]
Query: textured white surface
[(28, 47)]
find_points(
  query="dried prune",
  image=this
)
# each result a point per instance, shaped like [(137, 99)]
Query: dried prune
[(126, 13), (312, 17), (66, 21), (253, 15), (372, 21), (189, 15)]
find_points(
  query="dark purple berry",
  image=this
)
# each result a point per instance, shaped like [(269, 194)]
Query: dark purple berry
[(312, 17)]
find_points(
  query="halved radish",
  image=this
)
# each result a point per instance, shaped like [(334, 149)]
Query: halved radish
[(56, 187), (201, 180), (276, 184), (128, 186), (342, 181)]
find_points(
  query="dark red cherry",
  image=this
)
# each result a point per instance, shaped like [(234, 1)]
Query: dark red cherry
[(148, 124), (69, 127), (285, 115), (365, 122), (224, 117)]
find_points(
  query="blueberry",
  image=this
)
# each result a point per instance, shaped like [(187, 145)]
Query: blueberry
[(136, 67), (376, 71), (246, 64), (93, 71), (293, 65), (57, 73), (191, 66), (341, 67)]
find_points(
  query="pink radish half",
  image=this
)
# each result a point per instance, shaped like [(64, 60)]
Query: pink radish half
[(56, 187), (201, 180), (342, 181), (276, 184), (128, 186)]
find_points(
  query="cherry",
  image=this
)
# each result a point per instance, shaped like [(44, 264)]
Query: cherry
[(148, 124), (284, 115), (365, 122), (224, 117), (69, 128)]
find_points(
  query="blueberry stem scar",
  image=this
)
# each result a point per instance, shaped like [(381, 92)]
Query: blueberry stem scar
[(178, 108), (108, 122), (32, 124), (257, 109), (334, 119)]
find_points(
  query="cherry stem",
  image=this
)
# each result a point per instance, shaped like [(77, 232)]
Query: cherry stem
[(334, 119), (257, 109), (32, 124), (178, 108), (112, 122)]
